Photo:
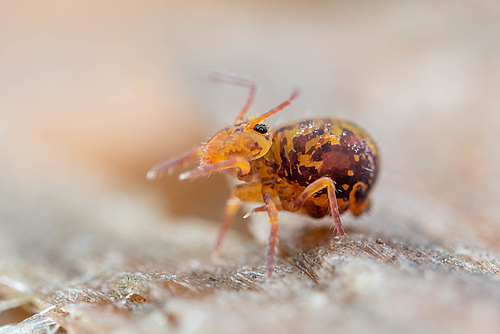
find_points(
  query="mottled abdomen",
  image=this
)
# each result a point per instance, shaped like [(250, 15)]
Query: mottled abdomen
[(307, 150)]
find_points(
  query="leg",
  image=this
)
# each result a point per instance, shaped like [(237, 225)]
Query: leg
[(358, 199), (170, 164), (243, 192), (272, 212), (334, 208), (235, 80)]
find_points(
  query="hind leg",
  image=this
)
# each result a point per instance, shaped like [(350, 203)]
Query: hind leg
[(359, 199), (319, 184)]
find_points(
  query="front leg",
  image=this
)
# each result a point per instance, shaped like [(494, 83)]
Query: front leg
[(241, 193), (324, 182)]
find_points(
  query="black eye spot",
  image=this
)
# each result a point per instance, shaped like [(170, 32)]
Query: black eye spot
[(260, 128)]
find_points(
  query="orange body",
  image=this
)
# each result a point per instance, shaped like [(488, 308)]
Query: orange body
[(319, 166)]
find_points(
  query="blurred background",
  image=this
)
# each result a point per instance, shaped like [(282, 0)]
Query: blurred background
[(94, 90), (94, 93)]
